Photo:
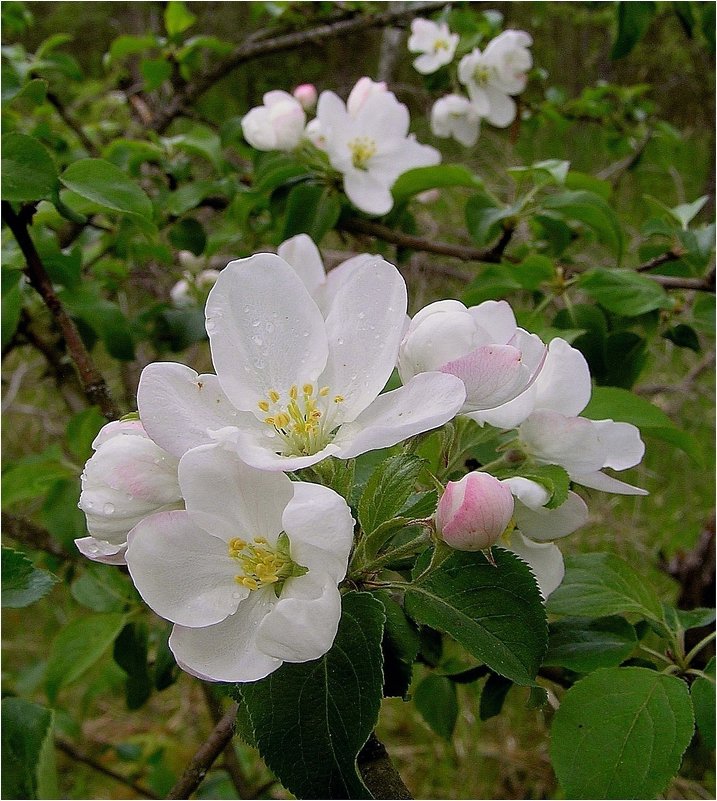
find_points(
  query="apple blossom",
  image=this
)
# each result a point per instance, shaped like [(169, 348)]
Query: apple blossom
[(474, 512), (362, 90), (306, 94), (455, 115), (249, 572), (125, 480), (370, 147), (277, 125), (500, 71), (434, 41), (295, 387), (188, 290), (482, 346)]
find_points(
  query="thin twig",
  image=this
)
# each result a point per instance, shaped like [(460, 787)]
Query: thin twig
[(80, 756), (252, 49), (72, 123), (614, 172), (673, 254), (33, 536), (379, 773), (93, 383), (205, 756)]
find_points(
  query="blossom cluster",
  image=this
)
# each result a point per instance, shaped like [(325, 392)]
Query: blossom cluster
[(192, 494), (491, 77), (365, 139)]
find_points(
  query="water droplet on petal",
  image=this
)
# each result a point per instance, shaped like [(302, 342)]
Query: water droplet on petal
[(256, 323), (257, 340), (108, 509), (305, 334), (340, 341), (259, 364), (246, 310), (362, 315)]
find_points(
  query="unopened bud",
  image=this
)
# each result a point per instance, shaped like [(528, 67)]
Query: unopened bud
[(307, 95), (474, 512)]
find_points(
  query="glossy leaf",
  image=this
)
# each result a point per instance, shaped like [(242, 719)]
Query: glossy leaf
[(311, 209), (28, 171), (22, 582), (593, 211), (436, 699), (584, 645), (28, 752), (387, 490), (420, 179), (400, 647), (624, 292)]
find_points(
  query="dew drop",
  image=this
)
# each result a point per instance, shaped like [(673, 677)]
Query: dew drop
[(108, 509), (259, 364), (305, 334), (340, 341), (354, 376), (362, 315), (246, 310), (257, 340), (256, 323)]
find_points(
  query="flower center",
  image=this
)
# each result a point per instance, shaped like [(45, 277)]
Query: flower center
[(362, 149), (304, 421), (440, 44), (482, 74), (263, 565)]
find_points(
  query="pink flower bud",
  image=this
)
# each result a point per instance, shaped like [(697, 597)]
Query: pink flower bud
[(474, 512), (306, 94)]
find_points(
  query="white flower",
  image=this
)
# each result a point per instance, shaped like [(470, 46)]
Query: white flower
[(482, 346), (361, 92), (189, 290), (434, 41), (456, 116), (371, 148), (300, 386), (306, 94), (495, 74), (125, 480), (249, 572), (277, 125)]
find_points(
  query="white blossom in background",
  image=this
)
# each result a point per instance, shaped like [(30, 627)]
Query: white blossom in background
[(455, 115), (307, 95), (277, 125), (125, 480), (434, 41), (295, 386), (249, 572), (492, 76), (191, 289), (482, 346), (370, 147)]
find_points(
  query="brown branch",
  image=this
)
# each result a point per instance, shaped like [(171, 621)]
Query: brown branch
[(252, 49), (80, 756), (33, 536), (706, 284), (93, 383), (73, 124), (378, 772), (493, 254), (673, 254), (205, 756)]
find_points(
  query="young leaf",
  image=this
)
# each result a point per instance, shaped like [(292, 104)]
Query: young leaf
[(494, 612), (598, 584), (584, 645), (387, 490), (177, 17), (311, 209), (28, 171), (336, 698), (621, 733), (435, 698), (624, 292), (22, 582), (703, 700), (28, 752), (77, 647), (593, 211), (420, 179), (103, 588)]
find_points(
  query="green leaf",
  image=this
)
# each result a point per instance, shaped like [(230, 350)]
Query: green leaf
[(336, 698), (202, 141), (483, 217), (621, 733), (273, 170), (623, 291), (82, 430), (684, 336), (493, 696), (633, 20), (623, 405), (584, 645), (554, 478), (686, 212), (130, 653), (389, 487), (534, 270), (155, 72), (495, 613), (188, 234), (129, 45), (103, 588), (311, 209), (32, 476), (703, 701), (685, 619), (28, 171), (400, 647), (60, 514), (77, 647), (11, 305), (420, 179), (494, 282), (108, 187), (600, 584), (22, 582), (436, 699), (593, 211), (103, 316), (177, 17), (28, 751), (551, 170)]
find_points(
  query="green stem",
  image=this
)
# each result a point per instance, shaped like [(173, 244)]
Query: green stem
[(656, 654), (407, 549), (700, 645)]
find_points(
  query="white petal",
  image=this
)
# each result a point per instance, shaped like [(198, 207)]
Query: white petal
[(564, 382), (544, 559), (427, 401), (320, 528), (101, 551), (622, 443), (502, 107), (250, 502), (118, 428), (227, 651), (303, 624), (336, 278), (368, 192), (600, 481), (550, 524), (571, 442), (496, 318), (301, 253), (265, 331), (529, 493), (178, 407), (364, 329), (510, 414), (184, 574)]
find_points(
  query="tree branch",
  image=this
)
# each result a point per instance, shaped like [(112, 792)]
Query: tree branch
[(205, 756), (379, 773), (80, 756), (72, 123), (93, 383), (673, 254), (252, 49), (32, 535)]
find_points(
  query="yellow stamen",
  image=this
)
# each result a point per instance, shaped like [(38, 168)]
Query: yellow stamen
[(339, 399), (293, 392), (263, 405), (308, 390), (273, 396)]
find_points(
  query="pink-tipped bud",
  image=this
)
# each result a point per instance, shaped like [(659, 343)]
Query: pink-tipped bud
[(307, 95), (474, 512)]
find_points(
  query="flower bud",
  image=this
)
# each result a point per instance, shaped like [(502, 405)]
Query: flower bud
[(474, 512), (307, 95), (277, 125)]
